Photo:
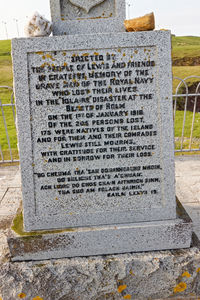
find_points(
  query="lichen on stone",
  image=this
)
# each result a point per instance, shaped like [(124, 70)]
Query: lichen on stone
[(38, 26), (18, 228)]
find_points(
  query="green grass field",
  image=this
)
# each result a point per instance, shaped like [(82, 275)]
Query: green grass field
[(185, 46), (6, 79), (188, 123), (187, 130), (183, 72), (182, 47)]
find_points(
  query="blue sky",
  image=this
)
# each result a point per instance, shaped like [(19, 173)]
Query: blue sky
[(182, 17)]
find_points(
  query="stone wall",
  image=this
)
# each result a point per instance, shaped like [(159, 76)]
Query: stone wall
[(152, 275)]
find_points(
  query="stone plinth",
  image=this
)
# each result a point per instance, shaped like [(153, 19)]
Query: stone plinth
[(101, 240), (153, 275)]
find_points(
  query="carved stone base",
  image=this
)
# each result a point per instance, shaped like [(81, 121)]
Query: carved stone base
[(112, 239)]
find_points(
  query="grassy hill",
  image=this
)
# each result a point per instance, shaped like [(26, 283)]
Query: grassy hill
[(6, 79), (186, 61), (5, 63), (185, 46), (186, 58), (5, 46)]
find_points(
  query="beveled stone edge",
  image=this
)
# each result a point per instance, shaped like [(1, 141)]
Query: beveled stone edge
[(93, 241)]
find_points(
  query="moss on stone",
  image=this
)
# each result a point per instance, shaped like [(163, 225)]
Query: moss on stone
[(18, 228)]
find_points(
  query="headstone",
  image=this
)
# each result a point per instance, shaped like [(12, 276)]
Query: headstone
[(96, 142), (95, 129), (87, 16)]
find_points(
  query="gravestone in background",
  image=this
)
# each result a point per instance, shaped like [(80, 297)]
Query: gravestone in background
[(96, 144)]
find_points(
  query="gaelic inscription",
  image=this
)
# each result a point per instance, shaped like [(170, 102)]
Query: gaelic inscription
[(98, 134)]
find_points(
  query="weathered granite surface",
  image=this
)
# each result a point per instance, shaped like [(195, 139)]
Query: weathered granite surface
[(38, 26), (142, 61), (87, 16), (16, 278), (153, 275), (100, 240)]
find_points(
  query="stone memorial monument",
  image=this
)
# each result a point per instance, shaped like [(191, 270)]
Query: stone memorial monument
[(95, 128), (87, 16)]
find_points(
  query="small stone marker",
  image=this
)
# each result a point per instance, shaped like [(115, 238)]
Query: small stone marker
[(96, 140), (87, 16), (38, 26)]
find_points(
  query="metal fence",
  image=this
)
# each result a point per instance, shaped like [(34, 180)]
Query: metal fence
[(182, 97), (5, 131), (186, 97)]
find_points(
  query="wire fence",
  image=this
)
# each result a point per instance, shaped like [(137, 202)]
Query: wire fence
[(186, 113)]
